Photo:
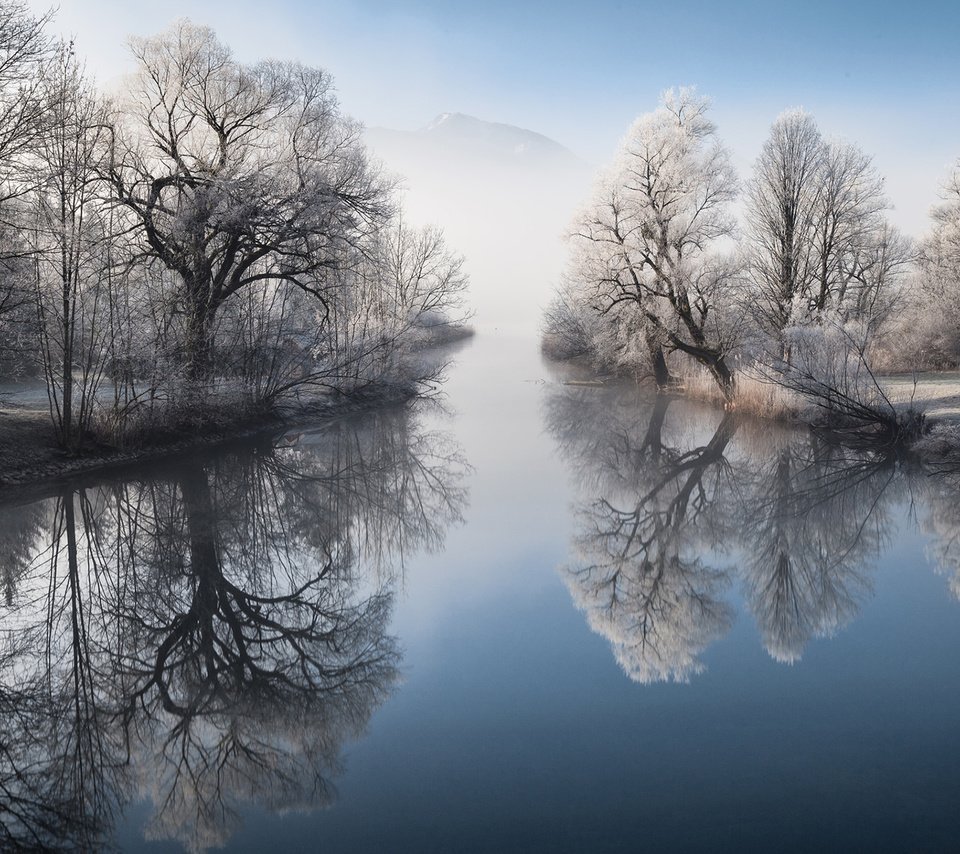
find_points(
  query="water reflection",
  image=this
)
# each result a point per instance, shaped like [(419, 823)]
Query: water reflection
[(682, 505), (814, 520), (208, 638), (941, 520)]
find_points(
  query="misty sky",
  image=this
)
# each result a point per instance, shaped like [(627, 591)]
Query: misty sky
[(883, 74)]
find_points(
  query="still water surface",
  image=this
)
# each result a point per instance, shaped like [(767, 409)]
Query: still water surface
[(552, 617)]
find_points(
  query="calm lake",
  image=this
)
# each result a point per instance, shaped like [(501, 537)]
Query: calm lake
[(539, 617)]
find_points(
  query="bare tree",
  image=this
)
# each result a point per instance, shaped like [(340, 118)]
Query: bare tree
[(25, 48), (781, 200), (831, 371), (820, 246), (848, 214), (24, 51), (70, 242), (941, 251), (427, 281), (930, 333)]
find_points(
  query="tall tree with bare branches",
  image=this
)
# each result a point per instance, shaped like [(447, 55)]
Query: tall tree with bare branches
[(235, 174)]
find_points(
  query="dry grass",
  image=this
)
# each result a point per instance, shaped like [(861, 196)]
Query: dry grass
[(177, 417), (25, 433), (752, 395)]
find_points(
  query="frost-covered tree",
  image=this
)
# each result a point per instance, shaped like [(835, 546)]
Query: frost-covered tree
[(820, 246), (235, 174), (941, 250), (781, 200), (856, 251), (69, 238), (649, 245), (928, 334), (25, 49), (424, 280), (211, 245)]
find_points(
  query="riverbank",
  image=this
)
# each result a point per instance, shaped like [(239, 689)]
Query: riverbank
[(918, 414), (935, 393), (30, 455)]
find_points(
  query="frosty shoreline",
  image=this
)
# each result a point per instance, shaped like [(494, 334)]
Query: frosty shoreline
[(29, 458)]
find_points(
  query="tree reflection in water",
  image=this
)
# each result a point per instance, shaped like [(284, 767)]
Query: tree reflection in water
[(814, 520), (680, 504), (941, 520), (209, 638)]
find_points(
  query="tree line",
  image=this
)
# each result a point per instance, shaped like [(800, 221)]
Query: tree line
[(213, 242), (673, 262)]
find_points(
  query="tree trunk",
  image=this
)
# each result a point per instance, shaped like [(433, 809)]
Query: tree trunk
[(66, 417), (786, 352), (199, 349), (723, 375), (653, 439), (661, 373), (67, 307)]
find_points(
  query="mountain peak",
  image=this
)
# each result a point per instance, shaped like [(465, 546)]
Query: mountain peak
[(443, 118), (463, 131)]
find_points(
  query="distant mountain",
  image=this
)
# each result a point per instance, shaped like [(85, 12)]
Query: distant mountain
[(504, 197), (455, 136), (461, 129)]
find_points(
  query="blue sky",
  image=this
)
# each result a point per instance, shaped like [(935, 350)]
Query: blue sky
[(884, 74)]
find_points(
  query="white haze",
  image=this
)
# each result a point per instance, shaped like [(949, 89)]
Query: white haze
[(504, 197)]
